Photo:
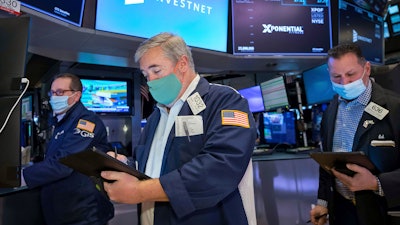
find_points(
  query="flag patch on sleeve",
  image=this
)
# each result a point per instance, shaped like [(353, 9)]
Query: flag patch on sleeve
[(86, 125), (235, 118)]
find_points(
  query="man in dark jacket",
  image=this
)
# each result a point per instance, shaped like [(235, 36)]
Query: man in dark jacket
[(364, 117), (67, 196), (196, 146)]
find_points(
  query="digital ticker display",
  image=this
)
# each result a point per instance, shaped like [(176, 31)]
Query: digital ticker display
[(281, 27)]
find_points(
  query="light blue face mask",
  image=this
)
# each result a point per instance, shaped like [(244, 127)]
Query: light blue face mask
[(59, 104), (165, 90), (351, 90)]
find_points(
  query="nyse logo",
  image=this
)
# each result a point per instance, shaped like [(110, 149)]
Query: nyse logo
[(130, 2)]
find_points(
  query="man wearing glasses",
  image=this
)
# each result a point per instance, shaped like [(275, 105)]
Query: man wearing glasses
[(68, 197)]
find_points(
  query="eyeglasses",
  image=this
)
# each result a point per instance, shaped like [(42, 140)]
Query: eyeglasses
[(58, 92)]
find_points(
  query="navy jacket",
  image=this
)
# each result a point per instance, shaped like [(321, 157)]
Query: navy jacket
[(69, 197), (201, 177), (386, 159)]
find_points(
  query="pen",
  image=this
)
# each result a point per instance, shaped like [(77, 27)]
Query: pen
[(318, 217), (115, 152), (185, 127)]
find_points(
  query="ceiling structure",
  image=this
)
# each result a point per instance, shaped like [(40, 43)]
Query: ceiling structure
[(53, 42)]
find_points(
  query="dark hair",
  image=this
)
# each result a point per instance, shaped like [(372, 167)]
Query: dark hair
[(76, 84), (344, 48)]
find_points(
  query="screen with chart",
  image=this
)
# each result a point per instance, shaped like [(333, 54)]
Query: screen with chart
[(274, 93)]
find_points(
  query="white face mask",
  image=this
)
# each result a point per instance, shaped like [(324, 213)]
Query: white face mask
[(351, 90), (60, 104)]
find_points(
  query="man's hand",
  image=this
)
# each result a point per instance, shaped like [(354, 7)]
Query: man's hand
[(319, 215), (120, 157), (362, 180)]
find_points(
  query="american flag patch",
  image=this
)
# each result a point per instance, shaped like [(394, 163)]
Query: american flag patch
[(86, 125), (235, 118)]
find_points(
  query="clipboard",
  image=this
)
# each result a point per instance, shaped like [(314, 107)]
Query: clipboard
[(92, 161), (338, 160)]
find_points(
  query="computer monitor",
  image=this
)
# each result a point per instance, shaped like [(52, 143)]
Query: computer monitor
[(280, 27), (67, 11), (318, 85), (106, 96), (254, 98), (274, 94), (364, 28), (203, 24), (278, 128)]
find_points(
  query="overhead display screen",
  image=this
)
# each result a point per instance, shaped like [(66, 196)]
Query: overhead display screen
[(201, 23), (364, 28), (67, 11), (281, 27)]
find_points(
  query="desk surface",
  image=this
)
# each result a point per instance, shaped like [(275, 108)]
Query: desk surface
[(281, 156)]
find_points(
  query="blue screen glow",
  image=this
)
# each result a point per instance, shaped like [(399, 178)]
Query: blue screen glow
[(201, 23)]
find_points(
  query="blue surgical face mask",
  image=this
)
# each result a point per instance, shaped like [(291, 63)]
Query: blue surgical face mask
[(166, 89), (351, 90), (60, 104)]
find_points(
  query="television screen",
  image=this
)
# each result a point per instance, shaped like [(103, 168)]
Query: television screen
[(364, 28), (317, 85), (281, 27), (279, 128), (106, 96), (254, 97), (67, 11), (375, 6), (202, 23), (393, 20), (274, 94)]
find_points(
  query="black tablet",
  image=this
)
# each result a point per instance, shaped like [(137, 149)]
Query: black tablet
[(92, 161), (338, 160)]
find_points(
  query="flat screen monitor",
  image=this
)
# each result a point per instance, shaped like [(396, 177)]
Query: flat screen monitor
[(375, 6), (67, 11), (201, 23), (281, 27), (274, 94), (318, 85), (393, 19), (106, 96), (364, 28), (254, 98), (279, 128)]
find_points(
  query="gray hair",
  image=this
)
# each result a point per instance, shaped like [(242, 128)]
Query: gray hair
[(173, 47)]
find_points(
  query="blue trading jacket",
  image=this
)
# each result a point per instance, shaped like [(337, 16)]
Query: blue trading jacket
[(68, 197), (201, 177)]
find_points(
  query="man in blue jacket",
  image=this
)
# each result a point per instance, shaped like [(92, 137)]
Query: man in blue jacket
[(67, 196), (196, 146)]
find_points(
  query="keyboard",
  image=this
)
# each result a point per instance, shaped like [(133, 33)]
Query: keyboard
[(300, 150), (263, 151)]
